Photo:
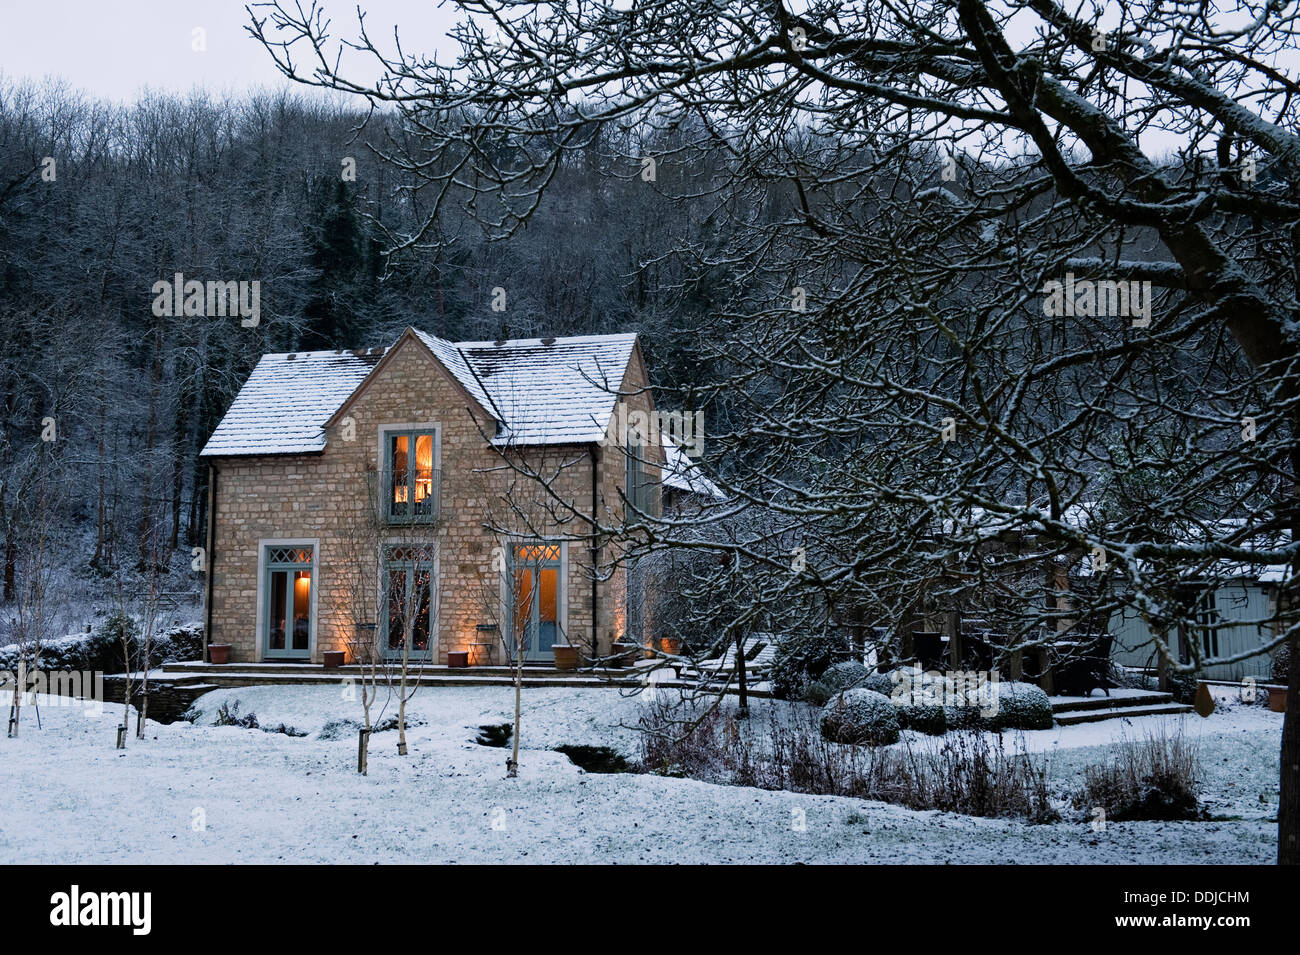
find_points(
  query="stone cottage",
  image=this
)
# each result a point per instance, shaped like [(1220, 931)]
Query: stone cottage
[(440, 490)]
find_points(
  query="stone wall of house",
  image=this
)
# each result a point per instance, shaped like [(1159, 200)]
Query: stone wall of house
[(332, 498), (635, 396)]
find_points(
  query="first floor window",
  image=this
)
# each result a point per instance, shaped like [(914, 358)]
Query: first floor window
[(411, 492), (640, 488), (410, 615)]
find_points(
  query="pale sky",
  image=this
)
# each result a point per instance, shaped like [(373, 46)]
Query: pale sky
[(116, 48)]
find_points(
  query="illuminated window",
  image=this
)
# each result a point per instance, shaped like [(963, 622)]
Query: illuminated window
[(411, 485), (409, 596)]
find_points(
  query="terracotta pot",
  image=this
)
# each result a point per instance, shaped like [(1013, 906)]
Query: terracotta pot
[(458, 659), (671, 646), (1204, 702), (622, 654), (218, 653), (566, 657), (1277, 699), (333, 659)]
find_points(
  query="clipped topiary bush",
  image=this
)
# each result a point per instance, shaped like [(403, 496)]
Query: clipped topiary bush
[(801, 659), (818, 694), (860, 716), (1021, 706), (924, 718), (845, 675), (881, 683), (964, 718)]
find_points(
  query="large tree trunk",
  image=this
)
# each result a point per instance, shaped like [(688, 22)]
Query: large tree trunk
[(1288, 809), (1288, 805), (742, 710)]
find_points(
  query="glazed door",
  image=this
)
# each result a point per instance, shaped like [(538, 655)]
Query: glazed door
[(536, 599), (411, 614), (287, 599)]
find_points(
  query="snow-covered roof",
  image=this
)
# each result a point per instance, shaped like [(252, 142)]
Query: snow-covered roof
[(1088, 518), (683, 474), (543, 391), (287, 399), (551, 390), (449, 354)]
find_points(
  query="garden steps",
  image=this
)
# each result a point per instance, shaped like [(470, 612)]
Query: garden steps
[(235, 677), (216, 676), (273, 674), (1073, 717), (354, 670), (1115, 701)]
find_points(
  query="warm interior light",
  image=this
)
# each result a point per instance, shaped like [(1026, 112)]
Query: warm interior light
[(423, 467)]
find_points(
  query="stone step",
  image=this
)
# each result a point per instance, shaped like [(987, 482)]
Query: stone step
[(236, 675), (300, 670), (1110, 702), (1120, 712)]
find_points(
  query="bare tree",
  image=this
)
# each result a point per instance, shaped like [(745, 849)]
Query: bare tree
[(522, 534), (961, 288), (358, 543), (148, 601), (30, 623), (411, 598)]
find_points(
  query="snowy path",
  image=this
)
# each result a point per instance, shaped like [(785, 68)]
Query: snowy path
[(67, 796)]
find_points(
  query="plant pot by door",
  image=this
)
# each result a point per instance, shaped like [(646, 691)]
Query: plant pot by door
[(672, 646), (333, 659), (566, 656), (218, 653), (1277, 699)]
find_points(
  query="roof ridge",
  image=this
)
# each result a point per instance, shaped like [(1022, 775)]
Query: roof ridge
[(555, 339)]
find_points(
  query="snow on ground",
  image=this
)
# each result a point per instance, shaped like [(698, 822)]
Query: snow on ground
[(203, 793)]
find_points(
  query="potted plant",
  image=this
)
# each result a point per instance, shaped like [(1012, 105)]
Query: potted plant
[(566, 656), (333, 659), (218, 653), (671, 645)]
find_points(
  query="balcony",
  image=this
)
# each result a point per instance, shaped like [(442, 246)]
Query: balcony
[(409, 498)]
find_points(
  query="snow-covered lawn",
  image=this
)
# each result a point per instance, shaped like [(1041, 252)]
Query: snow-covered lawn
[(202, 793)]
